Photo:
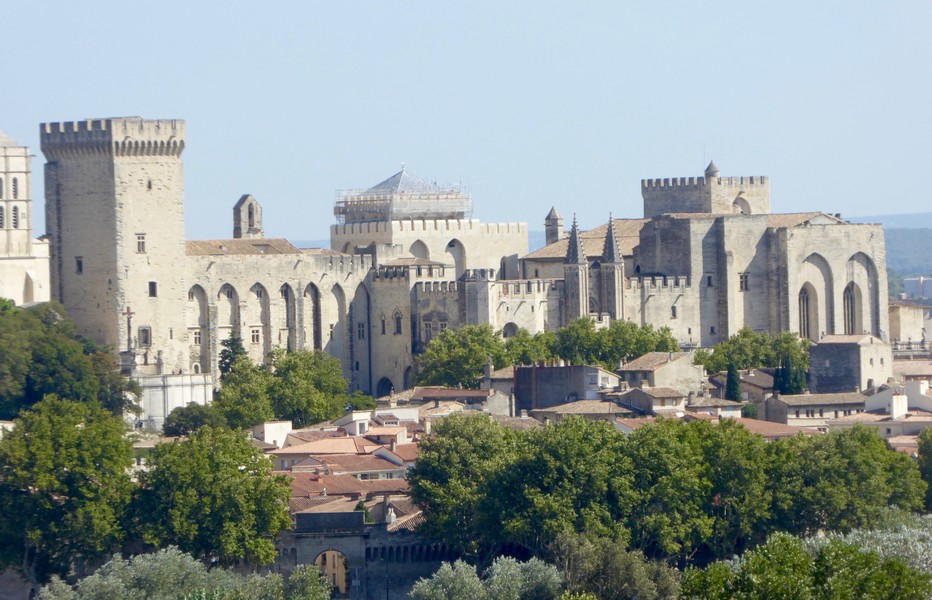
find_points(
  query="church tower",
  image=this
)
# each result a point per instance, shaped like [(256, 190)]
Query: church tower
[(553, 226), (613, 274), (576, 277), (247, 218), (114, 209)]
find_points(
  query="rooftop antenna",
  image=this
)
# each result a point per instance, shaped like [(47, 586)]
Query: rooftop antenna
[(402, 166)]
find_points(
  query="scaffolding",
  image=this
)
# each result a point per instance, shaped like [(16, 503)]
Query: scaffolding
[(381, 205)]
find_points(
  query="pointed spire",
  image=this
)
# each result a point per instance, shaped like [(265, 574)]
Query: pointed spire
[(575, 254), (612, 253), (712, 170), (553, 215)]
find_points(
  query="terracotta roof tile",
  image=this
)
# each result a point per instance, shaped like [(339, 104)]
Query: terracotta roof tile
[(407, 452), (652, 361), (240, 246), (627, 234), (820, 399)]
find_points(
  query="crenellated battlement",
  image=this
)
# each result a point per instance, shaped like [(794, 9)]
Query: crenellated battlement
[(527, 288), (658, 282), (700, 182), (436, 288), (129, 136)]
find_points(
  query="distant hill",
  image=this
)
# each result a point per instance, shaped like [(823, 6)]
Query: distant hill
[(909, 221)]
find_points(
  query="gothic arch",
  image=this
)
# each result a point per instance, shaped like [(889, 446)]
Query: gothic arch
[(419, 250), (510, 330), (288, 337), (334, 317), (862, 272), (359, 336), (198, 325), (228, 313), (808, 301), (312, 317), (817, 273), (384, 388), (740, 206), (457, 253), (854, 309), (257, 320)]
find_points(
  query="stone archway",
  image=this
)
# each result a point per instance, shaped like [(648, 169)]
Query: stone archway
[(334, 566), (384, 388)]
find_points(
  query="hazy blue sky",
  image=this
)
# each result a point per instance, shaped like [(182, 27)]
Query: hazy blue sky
[(528, 104)]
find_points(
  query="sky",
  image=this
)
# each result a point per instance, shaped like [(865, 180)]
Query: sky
[(527, 104)]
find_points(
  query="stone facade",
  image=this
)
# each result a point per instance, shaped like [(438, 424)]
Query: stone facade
[(407, 261), (24, 261)]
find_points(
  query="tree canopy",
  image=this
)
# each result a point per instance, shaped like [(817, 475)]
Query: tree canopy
[(750, 350), (185, 420), (683, 492), (64, 485), (457, 357), (41, 354), (505, 579), (213, 495)]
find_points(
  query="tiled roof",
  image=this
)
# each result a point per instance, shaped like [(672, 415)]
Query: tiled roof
[(913, 367), (354, 463), (382, 430), (314, 484), (445, 408), (652, 361), (822, 399), (407, 523), (434, 393), (708, 402), (769, 429), (504, 373), (240, 246), (412, 262), (312, 435), (662, 392), (336, 445), (636, 423), (517, 423), (583, 407), (407, 452), (322, 252), (797, 219), (754, 377), (627, 235)]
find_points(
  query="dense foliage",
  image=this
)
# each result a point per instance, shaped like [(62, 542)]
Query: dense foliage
[(64, 485), (749, 350), (213, 495), (303, 386), (506, 579), (688, 493), (185, 420), (786, 567), (41, 353), (170, 574), (456, 357)]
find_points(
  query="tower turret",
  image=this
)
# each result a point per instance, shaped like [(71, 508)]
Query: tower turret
[(247, 218), (553, 226), (576, 277), (612, 274)]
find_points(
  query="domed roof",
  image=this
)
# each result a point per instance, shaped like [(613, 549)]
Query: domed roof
[(711, 170), (7, 141)]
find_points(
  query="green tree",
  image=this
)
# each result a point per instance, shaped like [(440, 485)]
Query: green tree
[(749, 350), (925, 463), (580, 344), (307, 387), (624, 341), (568, 476), (457, 357), (605, 569), (455, 464), (64, 486), (244, 399), (185, 420), (215, 496), (232, 352), (733, 384), (509, 579), (306, 582), (457, 581), (526, 349), (115, 392)]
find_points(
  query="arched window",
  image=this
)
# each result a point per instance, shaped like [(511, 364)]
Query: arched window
[(1, 188), (1, 216), (804, 323), (252, 216), (15, 188), (15, 214)]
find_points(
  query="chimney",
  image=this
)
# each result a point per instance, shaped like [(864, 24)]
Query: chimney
[(898, 404), (393, 445), (427, 423)]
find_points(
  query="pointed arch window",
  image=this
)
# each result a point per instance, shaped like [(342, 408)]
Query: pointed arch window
[(1, 216), (15, 215), (15, 188), (1, 188)]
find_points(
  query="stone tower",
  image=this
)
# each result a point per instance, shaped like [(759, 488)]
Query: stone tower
[(576, 276), (247, 218), (613, 274), (114, 208), (710, 194), (553, 226), (23, 260)]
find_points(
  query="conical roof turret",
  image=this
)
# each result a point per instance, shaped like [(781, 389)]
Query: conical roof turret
[(712, 170), (553, 215), (575, 253), (611, 253)]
